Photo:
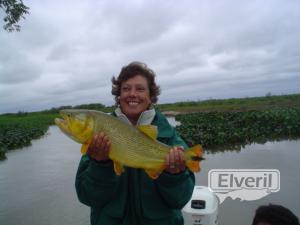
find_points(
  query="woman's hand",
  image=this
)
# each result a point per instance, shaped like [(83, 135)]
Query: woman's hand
[(175, 160), (99, 147)]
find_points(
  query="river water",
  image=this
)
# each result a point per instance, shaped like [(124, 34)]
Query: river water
[(37, 182)]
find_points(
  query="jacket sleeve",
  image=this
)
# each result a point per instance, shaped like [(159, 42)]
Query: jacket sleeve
[(95, 182), (176, 189)]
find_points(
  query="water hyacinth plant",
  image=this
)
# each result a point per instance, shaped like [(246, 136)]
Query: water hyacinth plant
[(17, 130), (232, 130)]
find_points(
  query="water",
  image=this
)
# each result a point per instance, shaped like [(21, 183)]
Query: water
[(37, 182), (283, 155)]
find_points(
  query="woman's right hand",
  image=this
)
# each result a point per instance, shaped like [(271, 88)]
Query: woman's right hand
[(99, 147)]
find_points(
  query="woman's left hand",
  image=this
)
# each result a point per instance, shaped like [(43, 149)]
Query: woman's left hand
[(175, 160)]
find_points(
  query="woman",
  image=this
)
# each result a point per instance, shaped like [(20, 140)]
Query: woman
[(133, 198)]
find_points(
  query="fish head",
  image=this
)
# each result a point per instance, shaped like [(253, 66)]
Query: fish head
[(76, 124)]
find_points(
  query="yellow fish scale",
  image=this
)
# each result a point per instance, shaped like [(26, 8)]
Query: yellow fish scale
[(129, 146), (133, 149)]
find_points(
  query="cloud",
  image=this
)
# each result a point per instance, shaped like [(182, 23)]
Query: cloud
[(68, 51), (17, 67)]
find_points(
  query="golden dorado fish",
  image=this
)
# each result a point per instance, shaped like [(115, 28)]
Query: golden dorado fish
[(131, 146)]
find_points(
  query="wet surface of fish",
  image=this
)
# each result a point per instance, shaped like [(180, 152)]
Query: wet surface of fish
[(130, 146)]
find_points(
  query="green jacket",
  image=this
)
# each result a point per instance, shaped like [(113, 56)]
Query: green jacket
[(133, 198)]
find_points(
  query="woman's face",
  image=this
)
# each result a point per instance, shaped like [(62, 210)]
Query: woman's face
[(134, 97)]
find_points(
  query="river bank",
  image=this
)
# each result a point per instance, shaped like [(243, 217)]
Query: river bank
[(210, 122)]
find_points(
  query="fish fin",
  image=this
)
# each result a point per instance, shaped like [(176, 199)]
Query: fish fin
[(149, 130), (84, 148), (86, 134), (154, 174), (193, 157), (118, 168)]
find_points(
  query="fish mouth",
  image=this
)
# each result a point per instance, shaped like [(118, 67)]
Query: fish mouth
[(62, 124), (75, 125), (58, 121)]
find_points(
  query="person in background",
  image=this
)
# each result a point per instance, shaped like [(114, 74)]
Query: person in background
[(274, 215), (134, 198)]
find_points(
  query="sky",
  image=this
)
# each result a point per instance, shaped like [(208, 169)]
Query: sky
[(68, 51)]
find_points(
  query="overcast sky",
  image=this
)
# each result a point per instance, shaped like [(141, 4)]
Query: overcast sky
[(68, 51)]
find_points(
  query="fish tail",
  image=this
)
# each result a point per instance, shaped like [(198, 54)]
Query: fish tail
[(193, 157)]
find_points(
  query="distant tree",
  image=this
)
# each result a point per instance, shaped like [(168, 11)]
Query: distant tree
[(95, 106), (268, 94), (14, 10), (65, 107)]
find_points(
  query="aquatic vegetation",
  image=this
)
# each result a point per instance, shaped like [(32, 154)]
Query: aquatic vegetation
[(235, 104), (2, 153), (226, 124), (231, 130), (17, 130)]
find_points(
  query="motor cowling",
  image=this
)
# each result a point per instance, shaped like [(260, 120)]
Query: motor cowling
[(202, 209)]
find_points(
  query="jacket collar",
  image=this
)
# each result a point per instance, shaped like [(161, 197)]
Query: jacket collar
[(165, 130), (152, 116), (145, 118)]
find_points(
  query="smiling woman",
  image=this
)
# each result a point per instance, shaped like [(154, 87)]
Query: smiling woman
[(132, 197), (135, 90)]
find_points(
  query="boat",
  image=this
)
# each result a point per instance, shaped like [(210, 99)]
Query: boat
[(202, 209)]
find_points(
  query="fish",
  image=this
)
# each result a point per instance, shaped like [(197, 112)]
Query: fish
[(130, 146)]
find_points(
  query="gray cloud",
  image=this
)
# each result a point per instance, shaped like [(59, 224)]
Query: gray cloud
[(17, 67), (68, 51)]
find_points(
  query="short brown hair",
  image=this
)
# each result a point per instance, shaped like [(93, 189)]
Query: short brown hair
[(131, 70)]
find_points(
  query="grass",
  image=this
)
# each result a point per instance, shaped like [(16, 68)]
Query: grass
[(217, 123), (234, 104)]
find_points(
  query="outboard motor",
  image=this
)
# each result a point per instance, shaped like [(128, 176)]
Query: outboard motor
[(202, 209)]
